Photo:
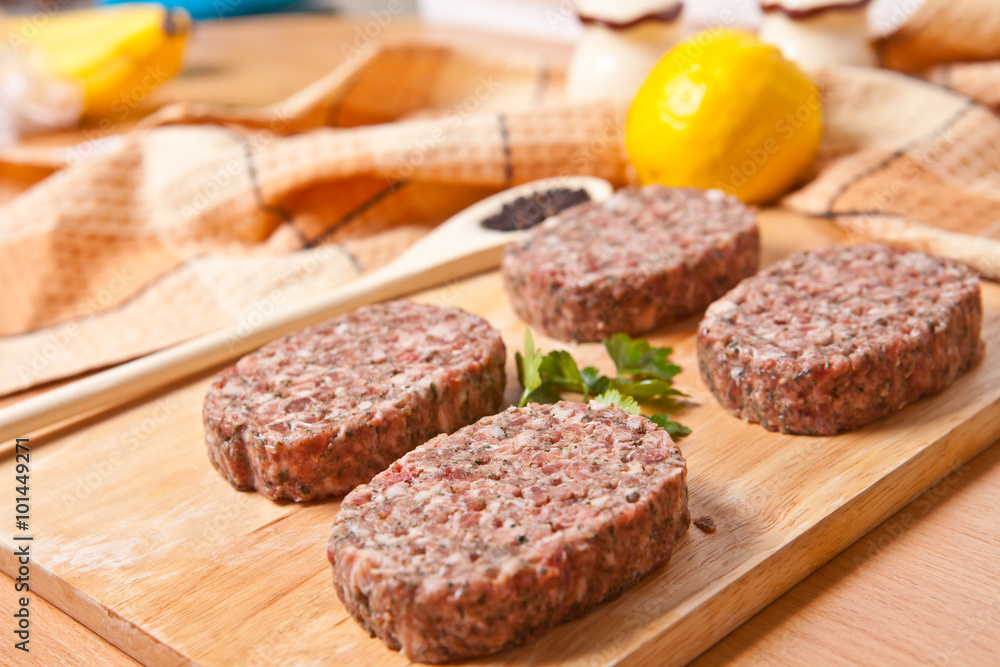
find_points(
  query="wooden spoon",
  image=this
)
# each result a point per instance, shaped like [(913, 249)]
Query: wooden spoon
[(458, 247)]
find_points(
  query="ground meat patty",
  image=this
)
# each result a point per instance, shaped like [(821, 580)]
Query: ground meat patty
[(476, 541), (642, 258), (833, 339), (322, 410)]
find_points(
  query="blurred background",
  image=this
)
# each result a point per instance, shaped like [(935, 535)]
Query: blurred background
[(44, 50), (526, 17)]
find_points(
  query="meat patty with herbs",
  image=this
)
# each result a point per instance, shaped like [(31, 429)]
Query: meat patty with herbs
[(642, 258), (317, 412), (477, 541), (832, 339)]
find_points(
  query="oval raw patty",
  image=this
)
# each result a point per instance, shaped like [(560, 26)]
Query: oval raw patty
[(317, 412), (643, 257), (476, 541), (832, 339)]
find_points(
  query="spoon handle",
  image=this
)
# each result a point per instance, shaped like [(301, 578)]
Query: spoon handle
[(144, 375), (457, 248)]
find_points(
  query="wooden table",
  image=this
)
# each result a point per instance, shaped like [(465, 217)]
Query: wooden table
[(924, 587)]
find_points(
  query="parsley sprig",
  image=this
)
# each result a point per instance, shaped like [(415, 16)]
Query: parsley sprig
[(642, 372)]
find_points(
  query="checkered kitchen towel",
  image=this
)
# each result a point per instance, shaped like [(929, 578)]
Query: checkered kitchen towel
[(208, 217)]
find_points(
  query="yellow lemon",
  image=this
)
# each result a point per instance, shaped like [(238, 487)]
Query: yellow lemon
[(724, 110)]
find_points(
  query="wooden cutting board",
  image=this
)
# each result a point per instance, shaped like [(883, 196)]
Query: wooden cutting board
[(137, 537)]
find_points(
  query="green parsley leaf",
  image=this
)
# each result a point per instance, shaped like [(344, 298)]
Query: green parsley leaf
[(527, 369), (638, 358), (593, 382), (643, 372), (544, 394), (614, 397), (675, 429), (646, 388), (559, 369)]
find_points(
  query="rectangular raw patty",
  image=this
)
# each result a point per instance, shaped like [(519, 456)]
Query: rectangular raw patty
[(832, 339), (477, 541), (319, 411)]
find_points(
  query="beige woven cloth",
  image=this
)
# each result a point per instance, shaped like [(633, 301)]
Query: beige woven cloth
[(909, 163), (181, 229), (942, 31), (954, 43), (208, 217)]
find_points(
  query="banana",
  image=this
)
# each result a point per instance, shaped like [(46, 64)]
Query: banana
[(115, 55)]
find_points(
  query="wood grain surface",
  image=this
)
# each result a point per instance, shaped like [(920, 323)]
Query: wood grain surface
[(64, 641), (922, 588), (143, 542)]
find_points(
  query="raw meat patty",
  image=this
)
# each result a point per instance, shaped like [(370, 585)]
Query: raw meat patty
[(832, 339), (642, 258), (477, 541), (317, 412)]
